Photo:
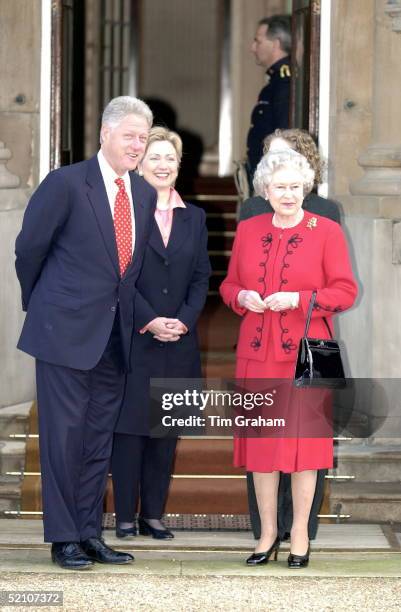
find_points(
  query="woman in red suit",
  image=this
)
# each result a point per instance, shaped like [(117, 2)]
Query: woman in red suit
[(278, 260)]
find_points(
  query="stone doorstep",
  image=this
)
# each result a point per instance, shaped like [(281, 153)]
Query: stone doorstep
[(367, 491), (14, 419), (367, 501), (10, 493), (12, 456), (369, 463)]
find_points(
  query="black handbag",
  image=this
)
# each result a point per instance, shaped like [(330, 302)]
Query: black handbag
[(319, 362)]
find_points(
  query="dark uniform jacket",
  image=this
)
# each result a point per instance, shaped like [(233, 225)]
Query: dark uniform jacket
[(271, 111), (312, 203)]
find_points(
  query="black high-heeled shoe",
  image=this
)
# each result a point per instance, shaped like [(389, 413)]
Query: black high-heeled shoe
[(159, 534), (125, 532), (298, 561), (264, 557)]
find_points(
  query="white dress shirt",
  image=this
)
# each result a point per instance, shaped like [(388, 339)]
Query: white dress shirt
[(109, 176)]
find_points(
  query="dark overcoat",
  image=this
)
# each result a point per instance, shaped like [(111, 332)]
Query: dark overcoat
[(173, 282)]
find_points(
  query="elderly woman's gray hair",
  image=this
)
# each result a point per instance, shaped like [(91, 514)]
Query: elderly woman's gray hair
[(118, 108), (277, 160)]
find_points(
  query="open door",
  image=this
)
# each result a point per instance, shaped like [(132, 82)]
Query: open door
[(67, 82), (304, 100)]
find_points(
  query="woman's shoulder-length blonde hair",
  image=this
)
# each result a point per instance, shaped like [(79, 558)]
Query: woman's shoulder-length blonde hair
[(276, 160), (160, 133)]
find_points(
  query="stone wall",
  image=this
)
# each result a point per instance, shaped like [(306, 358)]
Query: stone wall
[(20, 41), (365, 175)]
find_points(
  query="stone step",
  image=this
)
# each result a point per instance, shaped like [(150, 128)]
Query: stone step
[(10, 493), (370, 463), (12, 456), (375, 502), (14, 419)]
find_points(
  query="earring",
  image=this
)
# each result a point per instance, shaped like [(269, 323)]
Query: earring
[(140, 172)]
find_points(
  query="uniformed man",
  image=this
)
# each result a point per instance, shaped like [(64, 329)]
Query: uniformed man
[(271, 48)]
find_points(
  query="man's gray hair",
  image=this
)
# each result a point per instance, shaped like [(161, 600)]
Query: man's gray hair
[(279, 26), (118, 108), (277, 160)]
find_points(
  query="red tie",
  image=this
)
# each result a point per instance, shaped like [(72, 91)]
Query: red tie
[(123, 226)]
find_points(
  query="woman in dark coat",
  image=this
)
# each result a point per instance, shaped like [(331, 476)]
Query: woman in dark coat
[(172, 290)]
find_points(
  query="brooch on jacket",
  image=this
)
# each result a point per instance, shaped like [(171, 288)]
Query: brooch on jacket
[(312, 223)]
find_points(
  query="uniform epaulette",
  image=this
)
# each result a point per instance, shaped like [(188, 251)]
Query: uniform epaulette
[(285, 71)]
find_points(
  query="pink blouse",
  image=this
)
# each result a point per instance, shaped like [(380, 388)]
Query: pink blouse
[(164, 217)]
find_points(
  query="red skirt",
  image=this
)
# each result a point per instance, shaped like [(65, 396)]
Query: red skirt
[(286, 454)]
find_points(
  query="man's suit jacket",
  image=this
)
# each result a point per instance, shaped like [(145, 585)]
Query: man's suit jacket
[(67, 265), (173, 282), (312, 203)]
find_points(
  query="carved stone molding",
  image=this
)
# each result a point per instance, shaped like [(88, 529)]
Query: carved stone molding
[(382, 166), (7, 179), (393, 9), (12, 197)]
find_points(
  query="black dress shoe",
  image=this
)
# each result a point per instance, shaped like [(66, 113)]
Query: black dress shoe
[(298, 561), (69, 555), (264, 557), (125, 533), (158, 534), (98, 551)]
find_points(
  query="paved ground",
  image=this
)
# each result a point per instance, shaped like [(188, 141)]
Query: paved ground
[(353, 567)]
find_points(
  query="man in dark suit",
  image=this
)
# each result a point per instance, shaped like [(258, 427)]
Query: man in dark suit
[(271, 48), (79, 253)]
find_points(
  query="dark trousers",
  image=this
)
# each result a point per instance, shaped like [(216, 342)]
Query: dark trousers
[(78, 410), (141, 466), (284, 506)]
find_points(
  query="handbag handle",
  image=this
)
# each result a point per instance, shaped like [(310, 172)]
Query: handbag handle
[(309, 316)]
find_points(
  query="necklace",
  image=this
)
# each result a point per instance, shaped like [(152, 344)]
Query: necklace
[(297, 219)]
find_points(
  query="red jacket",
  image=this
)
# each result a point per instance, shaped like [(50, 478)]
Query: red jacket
[(311, 256)]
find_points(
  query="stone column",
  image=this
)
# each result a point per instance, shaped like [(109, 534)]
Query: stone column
[(20, 44), (381, 161), (375, 206), (16, 368)]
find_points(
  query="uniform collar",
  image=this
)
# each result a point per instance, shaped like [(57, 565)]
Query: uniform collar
[(277, 65)]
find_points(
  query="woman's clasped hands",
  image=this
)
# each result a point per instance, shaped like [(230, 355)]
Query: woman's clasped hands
[(165, 329), (282, 300)]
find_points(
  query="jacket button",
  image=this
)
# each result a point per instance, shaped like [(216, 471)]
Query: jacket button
[(165, 291), (161, 344), (165, 262), (113, 309)]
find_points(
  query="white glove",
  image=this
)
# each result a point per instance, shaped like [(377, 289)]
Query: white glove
[(282, 300), (251, 300)]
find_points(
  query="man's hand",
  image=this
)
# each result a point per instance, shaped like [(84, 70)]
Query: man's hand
[(251, 300), (282, 300)]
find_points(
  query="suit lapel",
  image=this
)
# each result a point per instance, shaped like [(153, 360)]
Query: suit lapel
[(179, 231), (141, 211), (156, 240), (138, 196), (98, 198)]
